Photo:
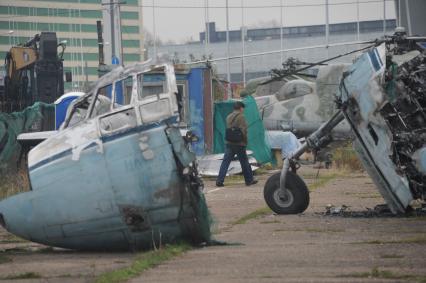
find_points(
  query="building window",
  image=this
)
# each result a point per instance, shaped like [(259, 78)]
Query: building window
[(131, 43), (48, 26), (128, 2), (130, 15), (52, 12), (77, 57), (130, 29), (132, 57)]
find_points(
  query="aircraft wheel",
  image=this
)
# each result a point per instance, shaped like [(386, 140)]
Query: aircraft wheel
[(295, 199)]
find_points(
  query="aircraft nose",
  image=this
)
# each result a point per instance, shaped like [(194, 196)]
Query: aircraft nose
[(2, 223), (14, 216)]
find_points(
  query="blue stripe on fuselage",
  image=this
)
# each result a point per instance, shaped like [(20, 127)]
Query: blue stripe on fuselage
[(375, 59), (106, 139)]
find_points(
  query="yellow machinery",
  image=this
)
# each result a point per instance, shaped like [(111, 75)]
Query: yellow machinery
[(34, 72), (21, 57)]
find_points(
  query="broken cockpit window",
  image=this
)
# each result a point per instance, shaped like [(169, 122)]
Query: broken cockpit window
[(153, 83), (78, 112), (153, 92), (123, 91), (103, 101), (79, 109)]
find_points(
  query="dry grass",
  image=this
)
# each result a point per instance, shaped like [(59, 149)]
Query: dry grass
[(10, 239), (12, 183), (346, 158)]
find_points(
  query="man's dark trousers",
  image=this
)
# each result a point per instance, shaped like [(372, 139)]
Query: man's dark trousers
[(230, 151)]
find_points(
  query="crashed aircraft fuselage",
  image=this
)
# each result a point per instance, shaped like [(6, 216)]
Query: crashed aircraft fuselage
[(118, 175), (363, 96)]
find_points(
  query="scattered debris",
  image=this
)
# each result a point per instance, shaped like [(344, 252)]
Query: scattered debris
[(333, 210), (381, 210), (209, 165)]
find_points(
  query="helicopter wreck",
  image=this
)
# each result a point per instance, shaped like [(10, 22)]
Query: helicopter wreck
[(118, 175), (383, 98)]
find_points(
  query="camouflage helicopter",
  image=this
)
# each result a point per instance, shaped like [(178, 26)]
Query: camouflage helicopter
[(292, 101)]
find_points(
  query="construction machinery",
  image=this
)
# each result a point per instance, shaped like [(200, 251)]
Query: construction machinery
[(33, 72)]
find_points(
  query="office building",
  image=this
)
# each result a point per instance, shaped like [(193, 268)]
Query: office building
[(74, 21)]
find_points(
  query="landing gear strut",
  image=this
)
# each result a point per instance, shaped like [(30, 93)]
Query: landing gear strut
[(286, 192)]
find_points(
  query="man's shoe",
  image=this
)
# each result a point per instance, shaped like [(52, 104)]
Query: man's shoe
[(254, 181), (219, 184)]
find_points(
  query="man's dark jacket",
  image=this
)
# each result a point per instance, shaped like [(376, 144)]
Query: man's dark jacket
[(238, 120)]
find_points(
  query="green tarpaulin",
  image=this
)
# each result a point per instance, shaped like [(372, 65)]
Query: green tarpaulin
[(13, 124), (256, 131)]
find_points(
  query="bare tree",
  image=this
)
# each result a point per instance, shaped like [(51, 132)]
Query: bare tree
[(266, 24), (149, 38)]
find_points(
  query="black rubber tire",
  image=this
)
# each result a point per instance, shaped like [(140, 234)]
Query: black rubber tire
[(297, 198)]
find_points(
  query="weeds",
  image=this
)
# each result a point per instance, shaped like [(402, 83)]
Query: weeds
[(4, 259), (264, 169), (26, 275), (391, 256), (10, 238), (364, 195), (234, 180), (12, 183), (268, 276), (312, 230), (46, 250), (15, 250), (322, 181), (143, 262), (252, 215), (385, 274), (416, 240), (416, 218), (326, 230), (229, 180), (270, 221), (346, 158)]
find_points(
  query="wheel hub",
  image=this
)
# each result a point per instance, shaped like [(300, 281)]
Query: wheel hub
[(283, 198)]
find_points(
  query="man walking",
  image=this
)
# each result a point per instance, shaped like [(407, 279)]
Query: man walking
[(237, 122)]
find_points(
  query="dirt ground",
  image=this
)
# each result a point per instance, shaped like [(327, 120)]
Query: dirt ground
[(311, 247)]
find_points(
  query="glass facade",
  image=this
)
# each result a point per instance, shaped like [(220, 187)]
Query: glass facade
[(128, 2), (50, 12), (58, 27)]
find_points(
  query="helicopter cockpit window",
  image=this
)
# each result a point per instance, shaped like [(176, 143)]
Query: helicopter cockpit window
[(123, 91), (79, 112), (154, 83), (156, 103), (103, 101)]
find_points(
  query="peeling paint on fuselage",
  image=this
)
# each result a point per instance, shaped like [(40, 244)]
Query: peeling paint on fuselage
[(110, 189), (362, 91)]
